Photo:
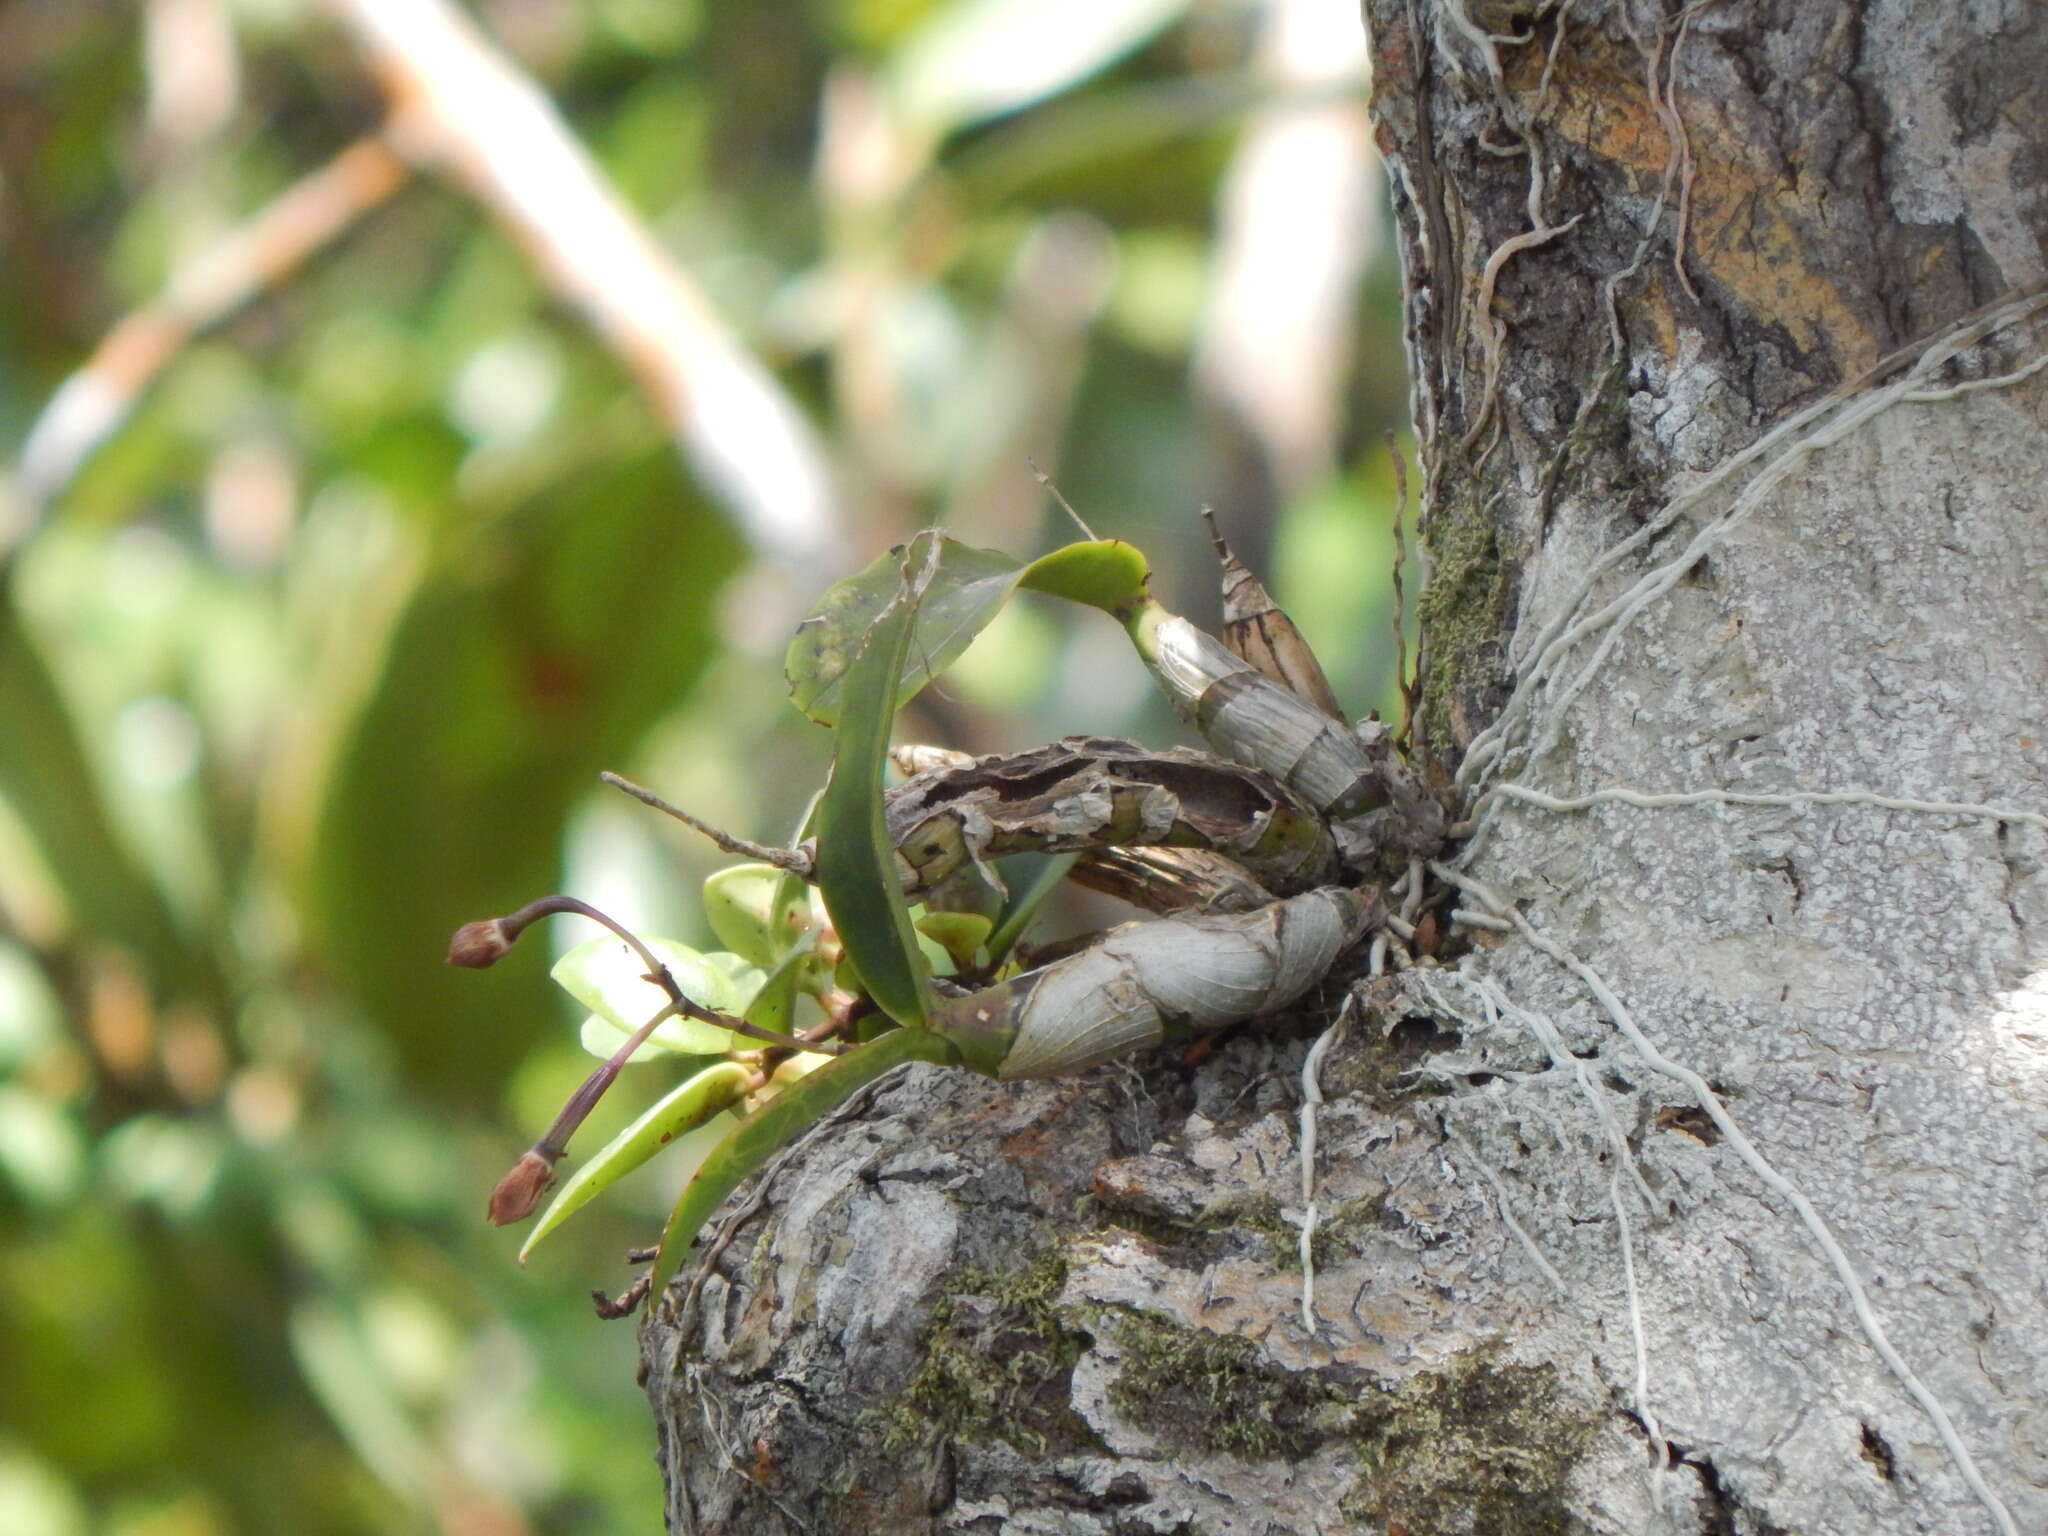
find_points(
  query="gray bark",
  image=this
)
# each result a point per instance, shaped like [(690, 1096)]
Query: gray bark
[(1732, 1227)]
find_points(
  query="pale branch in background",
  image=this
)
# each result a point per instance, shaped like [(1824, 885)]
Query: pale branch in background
[(461, 107), (90, 405)]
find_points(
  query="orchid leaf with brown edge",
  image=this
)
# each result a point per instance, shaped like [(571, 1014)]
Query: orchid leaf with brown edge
[(692, 1103), (966, 589)]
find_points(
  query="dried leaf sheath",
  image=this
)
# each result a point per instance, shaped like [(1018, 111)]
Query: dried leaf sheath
[(1100, 792), (1257, 630), (1146, 983), (1167, 880), (1344, 773), (1254, 720)]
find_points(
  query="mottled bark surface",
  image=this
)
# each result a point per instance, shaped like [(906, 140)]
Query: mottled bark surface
[(1734, 1228)]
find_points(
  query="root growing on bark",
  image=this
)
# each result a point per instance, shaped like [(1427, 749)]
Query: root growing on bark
[(1809, 1217)]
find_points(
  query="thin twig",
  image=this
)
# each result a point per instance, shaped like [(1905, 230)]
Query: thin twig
[(1046, 480), (786, 859)]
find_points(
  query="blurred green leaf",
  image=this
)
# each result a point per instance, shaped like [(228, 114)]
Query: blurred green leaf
[(329, 1346), (52, 786), (534, 654), (981, 58), (42, 1153), (30, 1016)]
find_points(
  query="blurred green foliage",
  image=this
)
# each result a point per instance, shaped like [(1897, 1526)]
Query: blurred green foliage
[(320, 652)]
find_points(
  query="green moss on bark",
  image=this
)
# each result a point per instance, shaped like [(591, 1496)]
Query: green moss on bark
[(1219, 1393), (1463, 613), (1478, 1446), (1255, 1215), (997, 1364)]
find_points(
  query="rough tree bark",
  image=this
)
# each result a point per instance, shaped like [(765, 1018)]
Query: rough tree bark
[(1703, 1198)]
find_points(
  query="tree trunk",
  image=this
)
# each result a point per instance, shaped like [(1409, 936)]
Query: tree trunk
[(1701, 1194)]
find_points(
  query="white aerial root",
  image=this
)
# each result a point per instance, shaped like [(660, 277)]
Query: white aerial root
[(1779, 452), (1809, 1217), (1465, 917), (1507, 1216), (1658, 1443), (1971, 386), (1492, 332), (1664, 101), (1312, 1093), (1494, 1003), (1311, 1100), (1618, 794)]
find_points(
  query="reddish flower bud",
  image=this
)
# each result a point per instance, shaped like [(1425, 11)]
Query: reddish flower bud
[(520, 1190), (477, 945)]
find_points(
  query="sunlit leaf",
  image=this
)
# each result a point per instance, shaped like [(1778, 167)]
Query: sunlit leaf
[(740, 904), (608, 977), (959, 934), (681, 1110), (535, 652), (979, 58), (1102, 573), (761, 1134)]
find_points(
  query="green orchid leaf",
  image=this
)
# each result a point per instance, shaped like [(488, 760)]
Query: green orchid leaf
[(774, 1004), (689, 1105), (856, 863), (1102, 573), (600, 1037), (1028, 897), (778, 1123), (965, 591), (741, 904), (608, 977), (960, 934)]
